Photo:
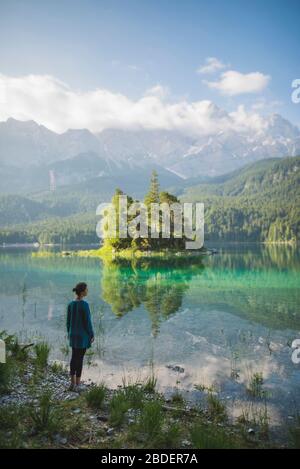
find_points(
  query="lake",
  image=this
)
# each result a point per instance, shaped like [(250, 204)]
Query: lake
[(212, 324)]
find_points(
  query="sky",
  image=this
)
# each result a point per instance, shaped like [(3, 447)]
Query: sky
[(148, 63)]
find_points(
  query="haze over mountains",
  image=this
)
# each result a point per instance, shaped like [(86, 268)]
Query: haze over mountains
[(115, 154)]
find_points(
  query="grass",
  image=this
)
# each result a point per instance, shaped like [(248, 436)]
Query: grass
[(257, 417), (148, 427), (294, 434), (205, 388), (57, 367), (140, 416), (211, 437), (95, 396), (42, 351), (150, 384), (11, 418), (45, 417), (216, 409), (6, 374), (255, 386), (118, 407), (177, 398), (134, 395)]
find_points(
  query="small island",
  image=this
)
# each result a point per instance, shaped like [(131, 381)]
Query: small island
[(143, 247)]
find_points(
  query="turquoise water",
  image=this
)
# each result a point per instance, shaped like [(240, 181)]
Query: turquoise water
[(220, 320)]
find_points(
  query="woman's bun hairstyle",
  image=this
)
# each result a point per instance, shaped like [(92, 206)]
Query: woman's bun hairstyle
[(80, 287)]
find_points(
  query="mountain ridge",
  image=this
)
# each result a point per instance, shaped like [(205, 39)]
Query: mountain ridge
[(26, 143)]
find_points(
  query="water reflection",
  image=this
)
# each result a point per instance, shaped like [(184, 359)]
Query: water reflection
[(157, 286), (221, 318)]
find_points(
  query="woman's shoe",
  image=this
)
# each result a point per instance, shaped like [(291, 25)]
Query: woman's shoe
[(80, 388)]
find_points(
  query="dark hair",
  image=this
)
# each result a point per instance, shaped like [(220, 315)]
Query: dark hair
[(80, 288)]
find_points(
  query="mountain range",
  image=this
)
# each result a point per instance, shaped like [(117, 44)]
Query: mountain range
[(30, 152)]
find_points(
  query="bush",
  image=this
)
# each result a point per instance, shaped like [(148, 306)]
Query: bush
[(216, 409), (151, 421), (45, 417), (134, 395), (6, 374), (118, 406), (42, 351), (210, 437), (150, 384), (95, 396)]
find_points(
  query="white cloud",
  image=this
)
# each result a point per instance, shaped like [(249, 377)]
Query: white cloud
[(262, 104), (233, 83), (159, 91), (54, 104), (212, 64), (243, 119)]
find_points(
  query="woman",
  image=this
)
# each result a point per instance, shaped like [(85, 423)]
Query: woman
[(80, 332)]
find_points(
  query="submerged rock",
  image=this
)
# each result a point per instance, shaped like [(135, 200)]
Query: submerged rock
[(176, 368)]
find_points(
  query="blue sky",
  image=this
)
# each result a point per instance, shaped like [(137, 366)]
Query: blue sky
[(129, 46)]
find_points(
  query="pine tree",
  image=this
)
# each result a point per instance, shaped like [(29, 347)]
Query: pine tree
[(152, 197), (153, 194)]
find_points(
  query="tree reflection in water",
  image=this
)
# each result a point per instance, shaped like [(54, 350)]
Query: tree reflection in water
[(157, 285)]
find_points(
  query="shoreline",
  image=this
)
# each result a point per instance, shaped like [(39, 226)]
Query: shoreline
[(116, 417)]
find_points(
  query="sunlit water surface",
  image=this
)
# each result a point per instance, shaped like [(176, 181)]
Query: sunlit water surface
[(220, 320)]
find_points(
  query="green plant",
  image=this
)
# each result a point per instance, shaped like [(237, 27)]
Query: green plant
[(42, 351), (151, 420), (45, 417), (134, 395), (150, 384), (170, 437), (57, 367), (255, 385), (13, 347), (6, 374), (216, 409), (210, 437), (118, 407), (294, 434), (177, 398), (95, 396), (205, 388)]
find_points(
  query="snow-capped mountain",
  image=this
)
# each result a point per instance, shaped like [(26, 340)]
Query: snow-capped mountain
[(27, 143)]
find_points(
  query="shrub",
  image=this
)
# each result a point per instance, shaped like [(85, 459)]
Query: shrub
[(42, 351), (95, 396), (45, 416)]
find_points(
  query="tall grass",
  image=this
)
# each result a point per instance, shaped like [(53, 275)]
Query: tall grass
[(42, 351), (210, 437), (216, 409), (45, 417), (150, 384), (6, 374), (151, 421), (255, 386), (118, 407), (95, 396)]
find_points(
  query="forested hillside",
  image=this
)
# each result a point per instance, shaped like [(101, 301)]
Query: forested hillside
[(259, 203)]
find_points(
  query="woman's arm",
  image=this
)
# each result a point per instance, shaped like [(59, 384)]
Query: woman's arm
[(68, 318), (89, 325)]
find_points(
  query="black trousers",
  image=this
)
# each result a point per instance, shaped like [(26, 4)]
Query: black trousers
[(77, 361)]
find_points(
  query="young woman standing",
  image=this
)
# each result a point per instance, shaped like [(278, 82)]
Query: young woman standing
[(80, 333)]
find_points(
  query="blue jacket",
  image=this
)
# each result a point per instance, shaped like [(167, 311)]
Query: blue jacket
[(79, 324)]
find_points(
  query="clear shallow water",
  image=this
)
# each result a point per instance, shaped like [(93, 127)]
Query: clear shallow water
[(234, 313)]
